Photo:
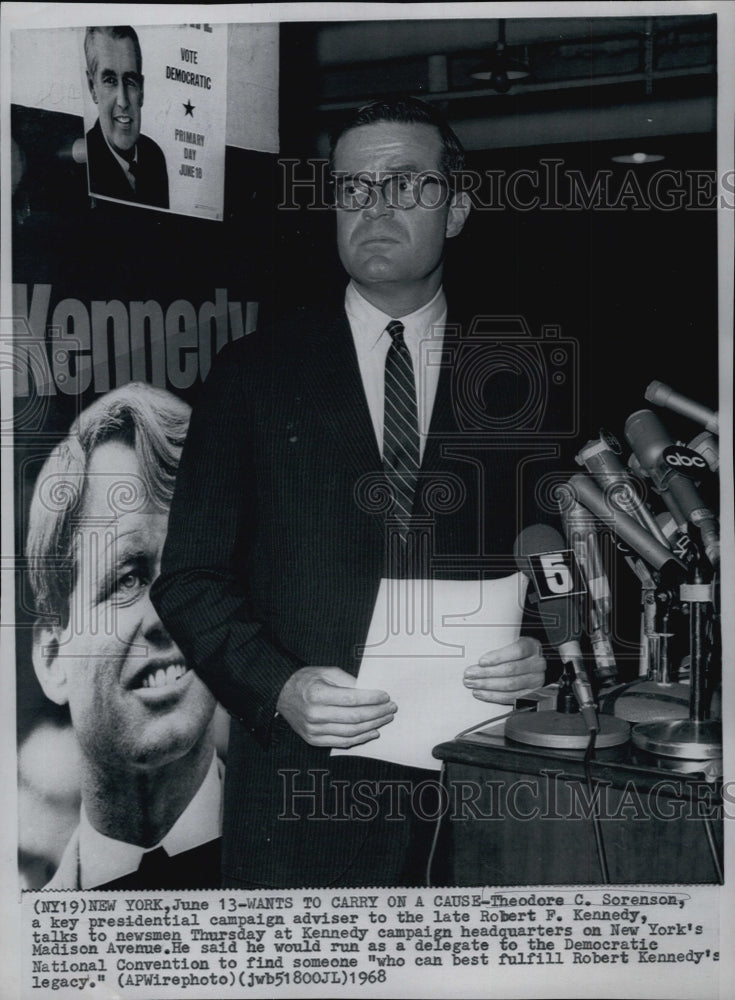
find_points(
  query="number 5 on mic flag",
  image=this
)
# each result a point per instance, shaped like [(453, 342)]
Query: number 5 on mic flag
[(556, 574)]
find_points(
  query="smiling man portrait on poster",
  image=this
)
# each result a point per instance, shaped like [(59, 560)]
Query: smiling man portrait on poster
[(122, 162)]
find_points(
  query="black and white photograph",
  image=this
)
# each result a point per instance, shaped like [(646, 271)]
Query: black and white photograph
[(367, 539)]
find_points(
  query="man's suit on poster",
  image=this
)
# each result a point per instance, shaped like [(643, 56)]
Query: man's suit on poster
[(195, 867), (275, 551), (198, 868), (107, 178)]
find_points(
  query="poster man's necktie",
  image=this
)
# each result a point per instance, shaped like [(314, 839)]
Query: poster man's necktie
[(400, 429)]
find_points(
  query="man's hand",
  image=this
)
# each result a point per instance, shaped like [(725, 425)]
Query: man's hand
[(501, 676), (325, 708)]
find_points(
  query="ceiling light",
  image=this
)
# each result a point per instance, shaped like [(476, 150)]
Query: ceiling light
[(500, 70), (638, 158)]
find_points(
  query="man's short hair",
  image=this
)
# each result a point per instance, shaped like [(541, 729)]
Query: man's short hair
[(154, 423), (118, 31), (406, 110)]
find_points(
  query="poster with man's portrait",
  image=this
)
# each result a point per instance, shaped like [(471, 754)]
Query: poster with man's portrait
[(172, 155)]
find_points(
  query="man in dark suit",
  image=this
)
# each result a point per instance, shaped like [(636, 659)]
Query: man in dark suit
[(282, 527), (150, 778), (121, 162)]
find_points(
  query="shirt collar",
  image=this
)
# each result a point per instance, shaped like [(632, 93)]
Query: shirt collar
[(102, 859), (125, 164), (370, 322)]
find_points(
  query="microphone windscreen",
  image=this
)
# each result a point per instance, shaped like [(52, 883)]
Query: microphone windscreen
[(542, 554), (561, 621), (534, 540)]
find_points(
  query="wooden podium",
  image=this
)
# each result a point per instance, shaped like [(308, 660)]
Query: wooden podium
[(523, 815)]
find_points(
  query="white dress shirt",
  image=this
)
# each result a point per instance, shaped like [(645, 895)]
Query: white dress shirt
[(424, 336), (125, 164), (102, 859)]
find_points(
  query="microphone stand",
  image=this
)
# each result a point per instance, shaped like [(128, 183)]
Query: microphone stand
[(656, 693), (699, 737), (660, 605)]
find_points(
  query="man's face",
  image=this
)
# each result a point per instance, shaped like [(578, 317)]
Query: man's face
[(117, 90), (134, 703), (382, 245)]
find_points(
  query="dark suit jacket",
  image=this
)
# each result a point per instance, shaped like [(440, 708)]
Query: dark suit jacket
[(107, 178), (276, 547)]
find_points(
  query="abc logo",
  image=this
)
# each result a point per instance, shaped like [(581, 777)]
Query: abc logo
[(684, 459)]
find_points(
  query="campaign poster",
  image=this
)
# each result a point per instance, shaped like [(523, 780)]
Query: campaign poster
[(113, 300), (155, 116)]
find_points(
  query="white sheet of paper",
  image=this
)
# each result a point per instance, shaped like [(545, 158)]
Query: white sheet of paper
[(422, 636)]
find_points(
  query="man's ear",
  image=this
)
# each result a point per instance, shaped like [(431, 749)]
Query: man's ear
[(90, 84), (48, 664), (459, 209), (142, 81)]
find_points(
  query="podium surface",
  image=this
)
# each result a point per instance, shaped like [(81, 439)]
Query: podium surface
[(524, 815)]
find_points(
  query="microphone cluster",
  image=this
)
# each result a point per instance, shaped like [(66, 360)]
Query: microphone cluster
[(655, 509)]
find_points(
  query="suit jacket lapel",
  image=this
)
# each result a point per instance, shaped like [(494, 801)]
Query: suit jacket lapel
[(443, 420), (333, 380)]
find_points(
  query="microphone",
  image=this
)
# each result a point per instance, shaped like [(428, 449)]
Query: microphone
[(707, 445), (660, 459), (664, 395), (680, 543), (581, 535), (651, 551), (601, 460), (541, 554)]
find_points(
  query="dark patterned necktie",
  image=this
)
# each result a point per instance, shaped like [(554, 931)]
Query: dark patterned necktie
[(400, 429)]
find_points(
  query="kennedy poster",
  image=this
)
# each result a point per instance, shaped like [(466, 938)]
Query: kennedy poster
[(167, 193)]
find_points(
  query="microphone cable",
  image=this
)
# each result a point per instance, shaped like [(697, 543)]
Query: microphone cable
[(437, 827), (596, 825), (713, 849)]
